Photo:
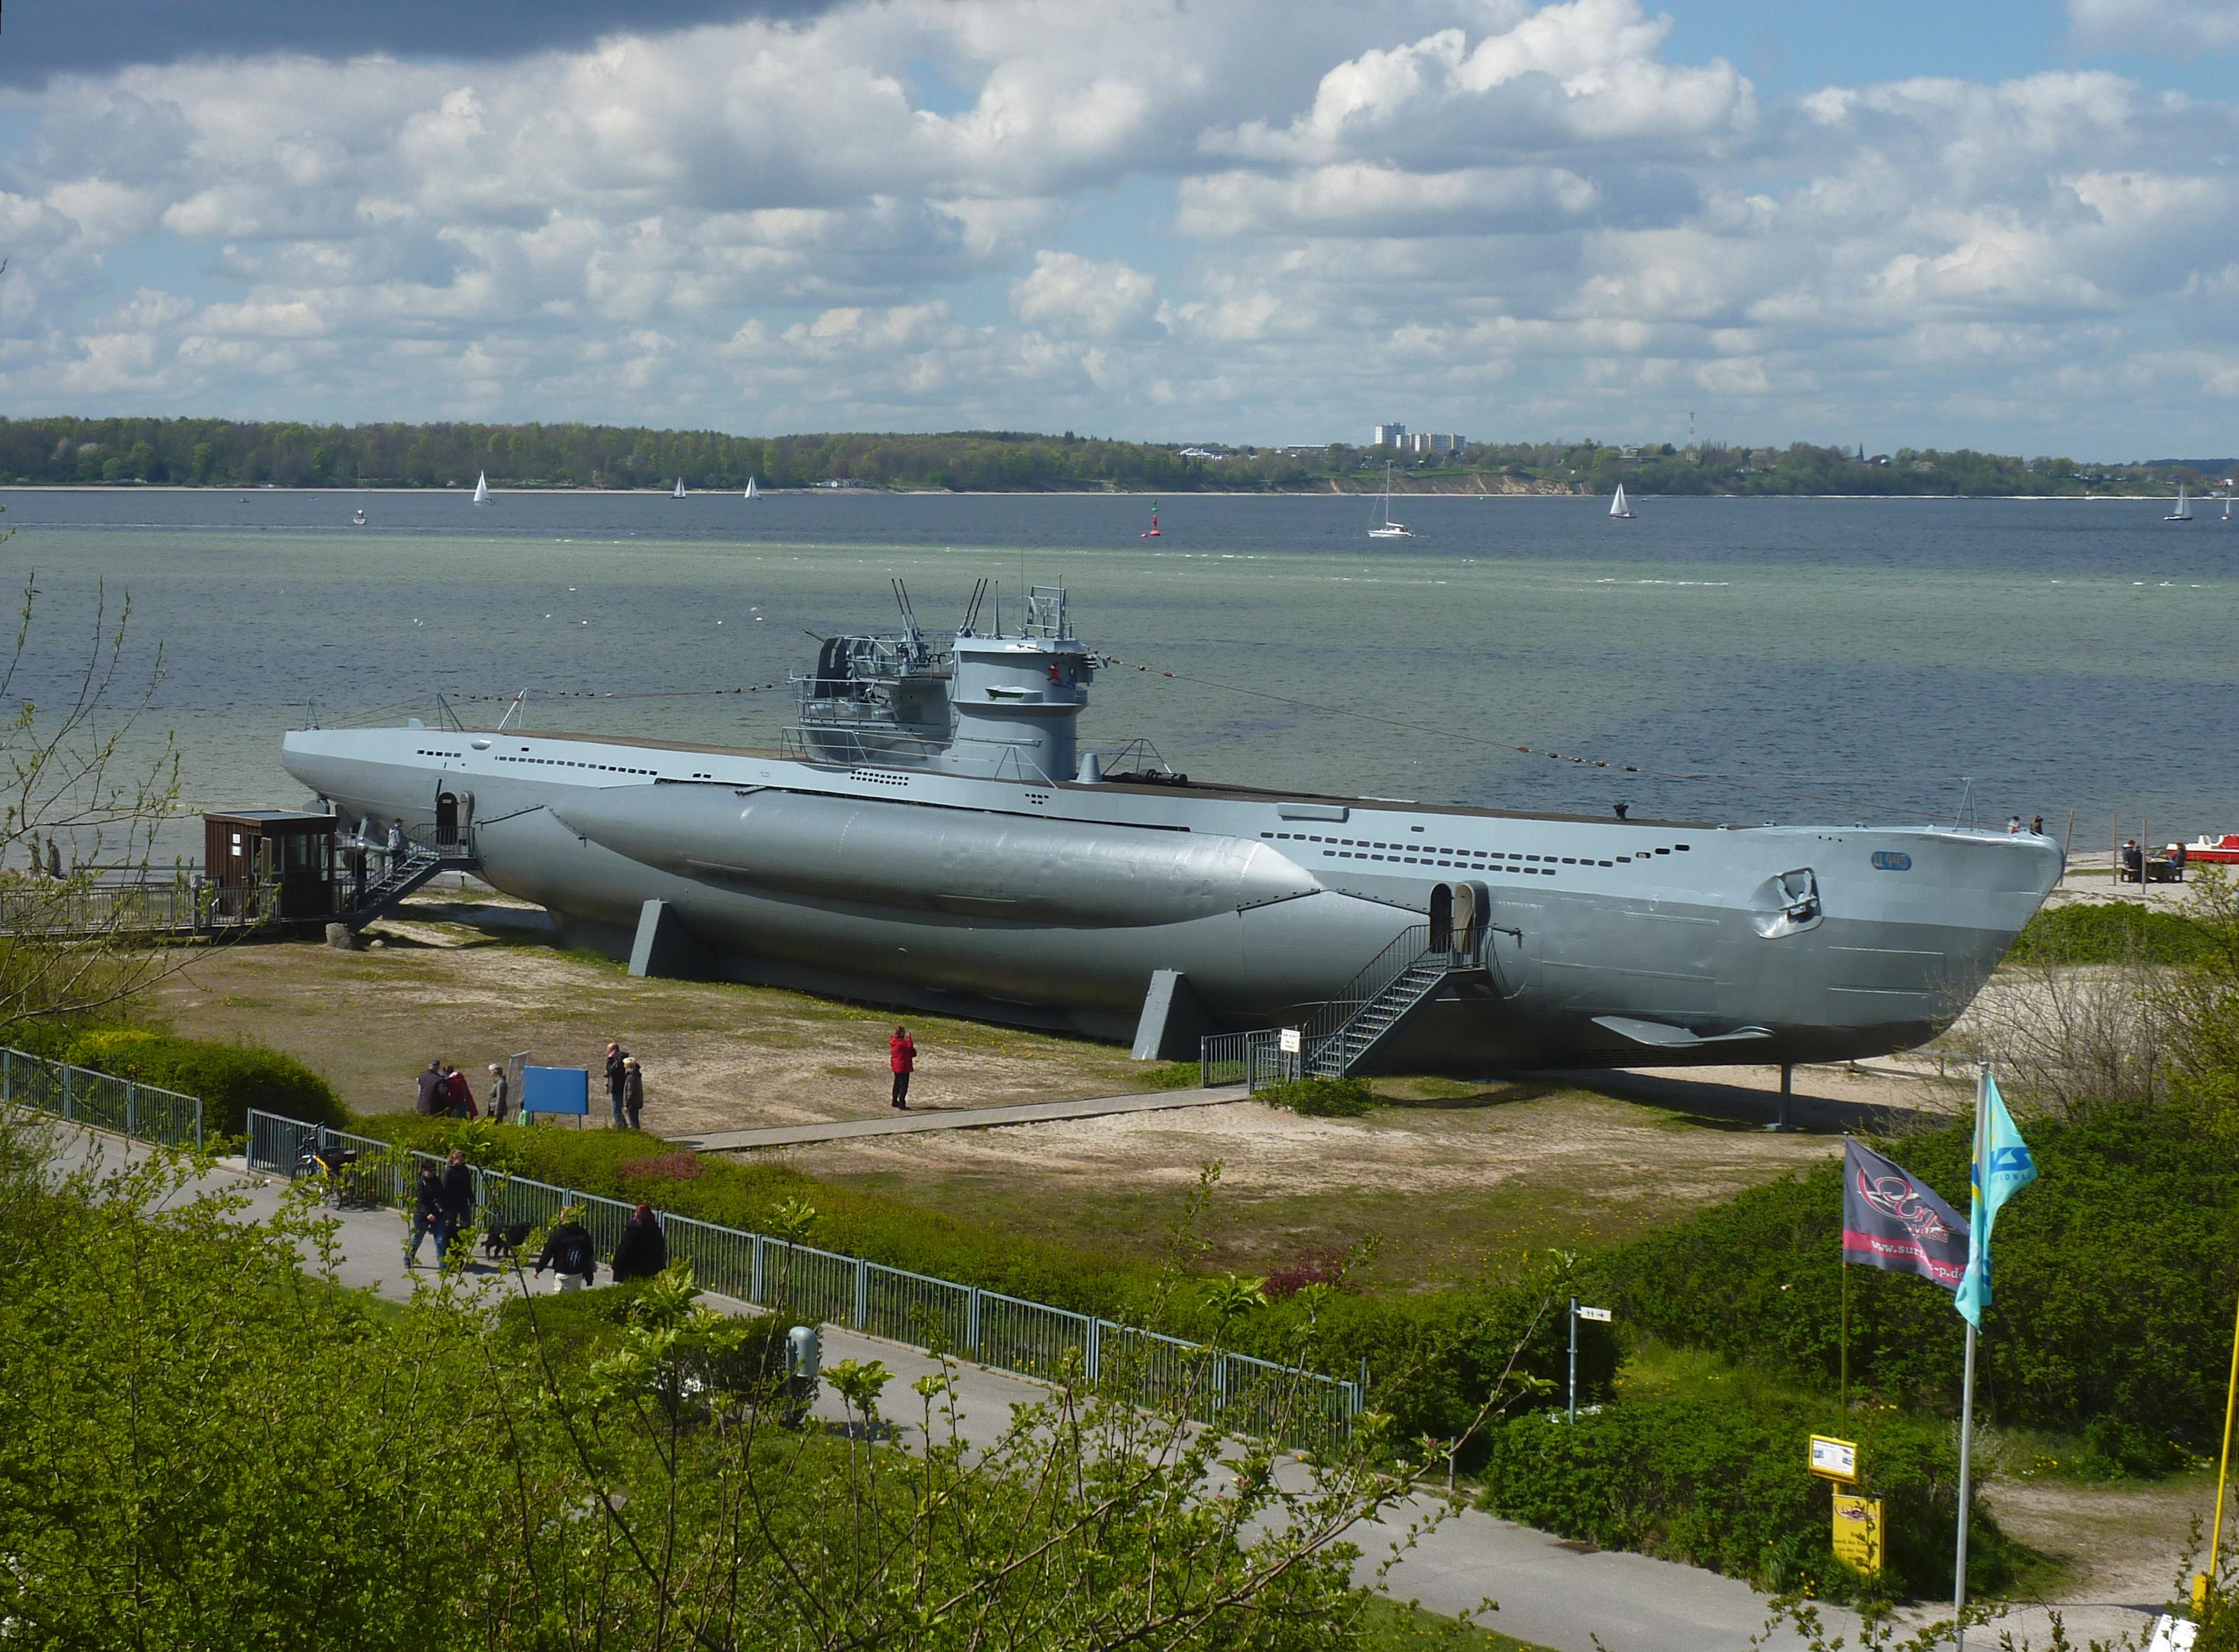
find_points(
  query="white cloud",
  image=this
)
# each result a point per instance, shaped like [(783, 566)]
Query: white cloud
[(1272, 218), (2155, 25), (1082, 298)]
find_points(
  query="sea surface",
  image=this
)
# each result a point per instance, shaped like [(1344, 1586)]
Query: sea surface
[(1754, 660)]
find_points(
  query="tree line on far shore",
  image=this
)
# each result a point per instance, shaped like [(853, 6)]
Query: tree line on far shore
[(224, 452)]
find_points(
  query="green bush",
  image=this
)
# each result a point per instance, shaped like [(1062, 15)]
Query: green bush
[(229, 1079), (1321, 1097), (1703, 1479), (1432, 1358), (2110, 932), (2113, 1280)]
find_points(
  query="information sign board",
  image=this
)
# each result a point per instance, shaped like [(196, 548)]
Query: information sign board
[(1292, 1041), (1601, 1314), (1833, 1459), (1859, 1532), (555, 1090)]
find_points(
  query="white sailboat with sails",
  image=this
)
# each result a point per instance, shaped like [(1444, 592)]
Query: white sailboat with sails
[(1618, 508), (482, 488), (1391, 529), (679, 494), (752, 491), (2183, 511)]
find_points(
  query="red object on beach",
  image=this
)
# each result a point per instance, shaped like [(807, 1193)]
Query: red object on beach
[(2224, 851)]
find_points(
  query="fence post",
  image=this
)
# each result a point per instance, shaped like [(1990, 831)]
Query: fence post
[(1095, 1350), (68, 1115), (972, 1321), (7, 1078), (755, 1276), (862, 1294), (132, 1110), (1219, 1384)]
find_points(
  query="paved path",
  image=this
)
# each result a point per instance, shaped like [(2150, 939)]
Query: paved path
[(1549, 1593), (905, 1123)]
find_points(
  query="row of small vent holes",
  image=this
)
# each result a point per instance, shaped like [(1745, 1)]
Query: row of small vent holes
[(562, 762), (1468, 858)]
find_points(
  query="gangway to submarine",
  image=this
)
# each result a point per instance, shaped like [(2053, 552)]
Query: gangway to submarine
[(1340, 1036)]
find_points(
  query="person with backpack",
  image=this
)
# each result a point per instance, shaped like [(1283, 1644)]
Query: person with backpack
[(568, 1252)]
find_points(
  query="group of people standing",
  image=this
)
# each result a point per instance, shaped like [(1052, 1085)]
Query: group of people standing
[(443, 1093), (47, 864)]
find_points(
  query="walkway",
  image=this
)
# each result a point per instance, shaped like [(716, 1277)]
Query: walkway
[(1551, 1595), (906, 1124)]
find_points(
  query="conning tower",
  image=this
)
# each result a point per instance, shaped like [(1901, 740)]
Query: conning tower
[(1000, 705)]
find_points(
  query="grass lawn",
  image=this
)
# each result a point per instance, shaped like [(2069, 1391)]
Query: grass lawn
[(1391, 1626)]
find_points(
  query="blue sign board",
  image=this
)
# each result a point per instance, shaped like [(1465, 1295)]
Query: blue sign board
[(555, 1090)]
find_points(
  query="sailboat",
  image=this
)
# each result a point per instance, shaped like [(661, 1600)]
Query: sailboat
[(1391, 529), (1618, 508), (751, 491), (357, 517), (2183, 511), (679, 494), (482, 488), (1151, 532)]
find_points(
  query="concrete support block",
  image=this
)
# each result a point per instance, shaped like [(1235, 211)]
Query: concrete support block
[(1173, 1022), (664, 947)]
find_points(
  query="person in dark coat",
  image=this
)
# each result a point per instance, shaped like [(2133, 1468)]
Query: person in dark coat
[(901, 1056), (427, 1215), (643, 1250), (568, 1252), (633, 1091), (431, 1089), (617, 1076), (458, 1201)]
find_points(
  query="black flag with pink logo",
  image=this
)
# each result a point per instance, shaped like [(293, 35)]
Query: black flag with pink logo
[(1891, 1220)]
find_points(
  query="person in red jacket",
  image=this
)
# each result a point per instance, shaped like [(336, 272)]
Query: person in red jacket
[(901, 1056)]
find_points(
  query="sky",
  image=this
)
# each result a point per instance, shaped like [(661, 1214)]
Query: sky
[(2007, 225)]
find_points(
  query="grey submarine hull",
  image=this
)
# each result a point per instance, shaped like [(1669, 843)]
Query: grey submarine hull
[(1613, 943)]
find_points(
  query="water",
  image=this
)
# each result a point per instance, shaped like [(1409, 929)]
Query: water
[(1832, 660)]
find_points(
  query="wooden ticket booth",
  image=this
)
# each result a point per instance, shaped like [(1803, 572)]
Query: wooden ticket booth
[(290, 850)]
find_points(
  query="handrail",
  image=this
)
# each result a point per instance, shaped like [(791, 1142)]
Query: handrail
[(100, 1100), (1239, 1391)]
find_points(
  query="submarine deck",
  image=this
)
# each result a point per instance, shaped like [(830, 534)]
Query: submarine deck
[(1179, 788)]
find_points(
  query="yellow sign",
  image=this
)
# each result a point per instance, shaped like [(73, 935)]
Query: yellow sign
[(1833, 1459), (1859, 1532)]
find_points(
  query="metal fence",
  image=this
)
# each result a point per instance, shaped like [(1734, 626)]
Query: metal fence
[(1252, 1060), (100, 1100), (1239, 1393)]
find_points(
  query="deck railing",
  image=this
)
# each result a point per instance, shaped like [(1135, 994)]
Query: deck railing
[(1237, 1392)]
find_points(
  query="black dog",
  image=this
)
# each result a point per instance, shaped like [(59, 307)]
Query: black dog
[(503, 1238)]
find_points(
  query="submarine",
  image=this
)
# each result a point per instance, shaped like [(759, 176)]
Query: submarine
[(930, 835)]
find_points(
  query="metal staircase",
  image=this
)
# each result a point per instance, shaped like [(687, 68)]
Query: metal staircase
[(1340, 1036), (402, 876)]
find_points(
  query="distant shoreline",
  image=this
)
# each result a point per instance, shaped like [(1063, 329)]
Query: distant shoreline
[(1488, 496)]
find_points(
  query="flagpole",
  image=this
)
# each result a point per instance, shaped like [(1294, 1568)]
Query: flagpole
[(1846, 1338), (1967, 1391), (2209, 1579)]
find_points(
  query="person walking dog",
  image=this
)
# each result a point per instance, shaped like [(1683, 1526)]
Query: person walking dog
[(427, 1215), (901, 1056)]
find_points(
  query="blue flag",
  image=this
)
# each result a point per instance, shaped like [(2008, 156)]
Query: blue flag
[(2002, 1168)]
